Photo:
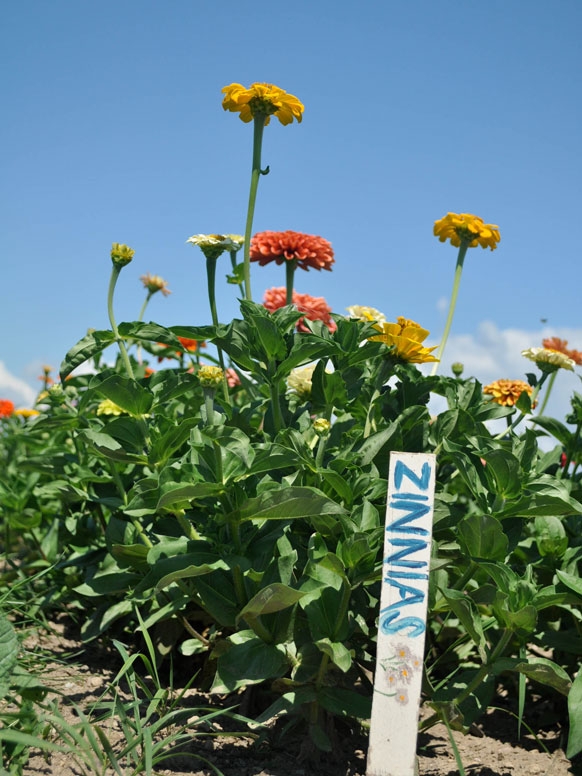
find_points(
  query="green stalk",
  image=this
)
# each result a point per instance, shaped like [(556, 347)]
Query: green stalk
[(290, 267), (258, 126), (211, 277), (548, 392), (277, 415), (144, 305), (115, 270), (456, 283)]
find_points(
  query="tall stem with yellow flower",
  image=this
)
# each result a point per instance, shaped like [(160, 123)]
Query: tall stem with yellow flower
[(120, 256), (257, 104), (464, 231)]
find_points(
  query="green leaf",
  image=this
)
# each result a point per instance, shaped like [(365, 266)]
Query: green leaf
[(483, 537), (555, 428), (272, 598), (469, 618), (346, 703), (127, 394), (339, 654), (8, 654), (288, 504), (248, 660), (539, 669), (573, 582), (109, 447), (575, 714), (550, 536), (92, 344), (503, 472)]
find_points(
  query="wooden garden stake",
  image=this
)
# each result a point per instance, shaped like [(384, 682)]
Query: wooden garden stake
[(402, 622)]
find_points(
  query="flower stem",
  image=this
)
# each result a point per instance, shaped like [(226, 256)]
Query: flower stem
[(290, 267), (258, 126), (456, 283), (548, 392), (211, 277), (115, 270), (144, 305)]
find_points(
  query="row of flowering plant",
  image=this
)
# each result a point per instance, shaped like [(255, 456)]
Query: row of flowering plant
[(228, 482)]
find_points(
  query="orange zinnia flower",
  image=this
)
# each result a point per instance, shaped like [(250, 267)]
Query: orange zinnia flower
[(307, 250), (188, 346), (6, 408), (507, 392), (314, 308), (561, 346)]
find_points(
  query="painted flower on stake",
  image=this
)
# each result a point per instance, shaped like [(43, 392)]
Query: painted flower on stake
[(155, 283), (507, 392), (314, 308), (299, 381), (561, 346), (212, 245), (549, 360), (6, 408), (262, 100), (121, 254), (405, 338), (307, 250), (364, 313), (464, 227)]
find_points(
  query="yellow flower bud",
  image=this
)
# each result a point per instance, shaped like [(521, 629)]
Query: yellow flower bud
[(121, 254), (210, 376), (321, 426)]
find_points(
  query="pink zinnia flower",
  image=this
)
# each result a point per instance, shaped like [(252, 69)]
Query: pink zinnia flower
[(315, 308), (307, 250)]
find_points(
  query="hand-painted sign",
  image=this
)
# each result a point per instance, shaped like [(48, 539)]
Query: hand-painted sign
[(402, 621)]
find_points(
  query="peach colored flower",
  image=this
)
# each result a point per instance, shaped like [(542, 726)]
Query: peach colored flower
[(561, 346), (507, 392), (154, 283), (232, 378), (307, 250), (315, 308)]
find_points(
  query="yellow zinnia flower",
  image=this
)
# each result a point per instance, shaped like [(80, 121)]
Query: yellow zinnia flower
[(121, 254), (108, 407), (210, 376), (406, 338), (25, 412), (262, 99), (507, 392), (464, 227)]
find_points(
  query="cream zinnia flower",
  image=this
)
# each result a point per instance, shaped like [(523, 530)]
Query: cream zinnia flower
[(549, 360), (364, 313), (299, 380)]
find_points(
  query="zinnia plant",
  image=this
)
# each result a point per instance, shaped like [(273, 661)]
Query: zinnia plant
[(559, 346), (464, 231), (257, 104), (294, 249)]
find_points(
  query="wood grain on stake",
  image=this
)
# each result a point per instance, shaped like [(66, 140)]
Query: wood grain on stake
[(402, 621)]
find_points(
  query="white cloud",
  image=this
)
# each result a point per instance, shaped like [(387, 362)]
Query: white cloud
[(15, 389)]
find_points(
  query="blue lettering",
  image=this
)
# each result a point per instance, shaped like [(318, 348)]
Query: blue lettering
[(415, 597), (402, 470), (415, 511), (409, 545), (389, 626)]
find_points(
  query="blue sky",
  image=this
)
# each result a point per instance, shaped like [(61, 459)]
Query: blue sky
[(113, 130)]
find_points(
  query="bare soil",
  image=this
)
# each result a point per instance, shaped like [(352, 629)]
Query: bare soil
[(82, 675)]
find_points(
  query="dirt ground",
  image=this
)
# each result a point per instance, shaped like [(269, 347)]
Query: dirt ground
[(492, 749)]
